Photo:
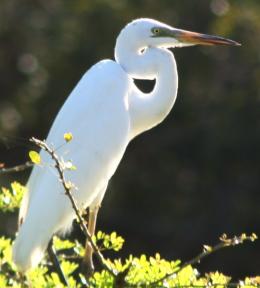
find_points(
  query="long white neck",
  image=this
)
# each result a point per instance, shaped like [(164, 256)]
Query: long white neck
[(146, 110)]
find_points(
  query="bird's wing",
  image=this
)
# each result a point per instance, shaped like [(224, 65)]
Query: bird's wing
[(97, 116)]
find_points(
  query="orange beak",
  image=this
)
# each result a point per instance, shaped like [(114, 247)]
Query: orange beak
[(194, 38)]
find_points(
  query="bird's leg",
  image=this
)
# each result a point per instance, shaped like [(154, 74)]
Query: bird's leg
[(54, 259), (88, 265), (22, 279)]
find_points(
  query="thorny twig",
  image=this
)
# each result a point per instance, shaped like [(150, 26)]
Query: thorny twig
[(17, 168), (224, 243), (68, 187)]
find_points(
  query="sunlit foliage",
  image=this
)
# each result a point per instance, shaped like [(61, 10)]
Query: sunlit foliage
[(141, 271)]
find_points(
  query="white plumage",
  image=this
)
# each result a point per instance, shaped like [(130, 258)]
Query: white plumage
[(104, 112), (95, 151)]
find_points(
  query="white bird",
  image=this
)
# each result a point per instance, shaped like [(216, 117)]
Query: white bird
[(104, 112)]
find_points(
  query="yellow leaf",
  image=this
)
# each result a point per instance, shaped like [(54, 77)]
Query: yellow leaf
[(253, 237), (207, 248), (35, 157), (69, 185), (68, 137)]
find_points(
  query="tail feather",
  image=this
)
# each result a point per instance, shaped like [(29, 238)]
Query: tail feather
[(33, 238), (30, 245)]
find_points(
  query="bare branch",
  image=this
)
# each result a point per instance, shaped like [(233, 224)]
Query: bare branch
[(208, 250), (17, 168)]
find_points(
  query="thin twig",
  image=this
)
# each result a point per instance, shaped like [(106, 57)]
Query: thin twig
[(55, 261), (67, 187), (225, 242), (17, 168)]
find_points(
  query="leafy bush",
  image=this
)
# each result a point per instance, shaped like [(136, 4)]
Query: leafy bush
[(143, 271)]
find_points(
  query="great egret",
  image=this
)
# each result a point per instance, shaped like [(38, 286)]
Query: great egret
[(104, 112)]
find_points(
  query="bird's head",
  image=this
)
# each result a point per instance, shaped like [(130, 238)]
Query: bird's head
[(151, 33)]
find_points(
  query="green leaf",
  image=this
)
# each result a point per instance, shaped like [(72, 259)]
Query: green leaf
[(60, 244), (10, 199), (3, 281), (68, 267), (35, 157), (109, 241)]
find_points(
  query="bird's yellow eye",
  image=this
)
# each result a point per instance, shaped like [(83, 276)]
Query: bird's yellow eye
[(155, 30)]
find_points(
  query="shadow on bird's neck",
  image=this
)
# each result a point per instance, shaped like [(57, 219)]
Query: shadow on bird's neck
[(141, 62)]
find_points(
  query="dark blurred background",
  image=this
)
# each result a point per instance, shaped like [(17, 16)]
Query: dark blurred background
[(181, 184)]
